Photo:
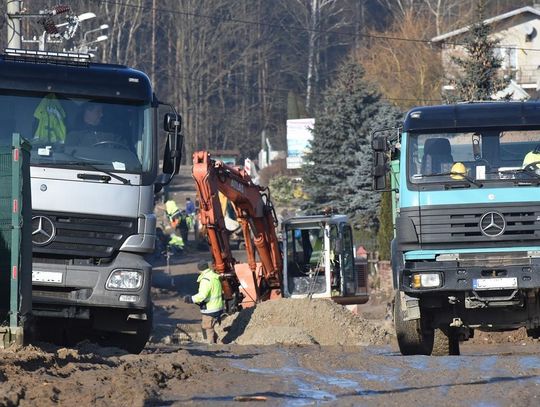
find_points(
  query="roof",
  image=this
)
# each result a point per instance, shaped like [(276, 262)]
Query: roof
[(93, 80), (500, 17), (472, 116)]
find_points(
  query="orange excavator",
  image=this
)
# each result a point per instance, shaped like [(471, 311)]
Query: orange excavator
[(243, 283), (318, 259)]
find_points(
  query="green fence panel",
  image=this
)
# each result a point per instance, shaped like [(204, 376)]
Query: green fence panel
[(15, 237)]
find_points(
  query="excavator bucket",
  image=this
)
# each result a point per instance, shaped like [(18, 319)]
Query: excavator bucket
[(248, 283)]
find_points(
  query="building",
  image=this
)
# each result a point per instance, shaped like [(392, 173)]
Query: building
[(519, 48)]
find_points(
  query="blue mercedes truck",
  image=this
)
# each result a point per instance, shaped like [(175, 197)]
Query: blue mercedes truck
[(465, 182)]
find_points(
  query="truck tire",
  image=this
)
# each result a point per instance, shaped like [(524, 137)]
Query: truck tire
[(135, 343), (136, 339), (445, 342), (533, 333), (412, 336)]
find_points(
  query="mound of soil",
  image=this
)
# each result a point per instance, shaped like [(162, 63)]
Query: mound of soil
[(89, 375), (514, 336), (302, 322)]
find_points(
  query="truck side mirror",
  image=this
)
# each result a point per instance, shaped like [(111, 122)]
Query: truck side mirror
[(172, 122), (379, 144), (172, 154), (380, 168)]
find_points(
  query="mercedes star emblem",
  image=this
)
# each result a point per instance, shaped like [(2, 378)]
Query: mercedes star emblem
[(492, 224), (43, 230)]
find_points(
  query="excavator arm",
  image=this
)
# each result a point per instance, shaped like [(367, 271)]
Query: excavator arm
[(258, 280)]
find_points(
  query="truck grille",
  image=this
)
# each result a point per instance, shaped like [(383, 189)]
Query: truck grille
[(459, 226), (76, 236)]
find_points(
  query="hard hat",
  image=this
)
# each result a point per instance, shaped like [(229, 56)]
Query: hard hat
[(458, 168)]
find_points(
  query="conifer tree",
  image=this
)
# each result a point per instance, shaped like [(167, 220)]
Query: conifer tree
[(480, 78), (337, 172)]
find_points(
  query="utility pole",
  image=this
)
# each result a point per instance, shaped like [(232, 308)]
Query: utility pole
[(14, 24)]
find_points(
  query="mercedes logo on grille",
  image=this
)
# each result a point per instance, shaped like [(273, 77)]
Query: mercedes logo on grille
[(43, 230), (492, 224)]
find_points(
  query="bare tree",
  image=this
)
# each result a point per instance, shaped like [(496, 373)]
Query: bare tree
[(317, 17), (407, 72)]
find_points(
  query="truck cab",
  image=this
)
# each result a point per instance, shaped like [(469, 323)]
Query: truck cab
[(93, 131), (466, 254)]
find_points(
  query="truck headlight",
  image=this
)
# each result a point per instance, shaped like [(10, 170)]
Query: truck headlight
[(124, 280), (426, 280)]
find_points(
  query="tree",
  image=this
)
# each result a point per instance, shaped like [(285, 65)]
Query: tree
[(338, 169), (406, 80), (478, 78), (362, 202)]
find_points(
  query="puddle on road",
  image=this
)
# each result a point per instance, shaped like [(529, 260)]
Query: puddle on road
[(308, 387), (307, 382), (311, 386)]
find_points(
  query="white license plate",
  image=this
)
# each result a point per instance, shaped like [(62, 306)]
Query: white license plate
[(46, 276), (494, 283)]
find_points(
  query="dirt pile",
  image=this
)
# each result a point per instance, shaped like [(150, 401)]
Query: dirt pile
[(514, 336), (303, 322), (89, 375)]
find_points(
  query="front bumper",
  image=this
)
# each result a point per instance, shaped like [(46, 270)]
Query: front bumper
[(456, 277), (81, 287)]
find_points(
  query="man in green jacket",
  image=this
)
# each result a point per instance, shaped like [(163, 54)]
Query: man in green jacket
[(209, 298)]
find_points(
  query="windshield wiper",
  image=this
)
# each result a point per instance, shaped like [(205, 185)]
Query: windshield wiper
[(124, 181), (464, 177)]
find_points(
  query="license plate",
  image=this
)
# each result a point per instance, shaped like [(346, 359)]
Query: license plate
[(494, 283), (46, 276)]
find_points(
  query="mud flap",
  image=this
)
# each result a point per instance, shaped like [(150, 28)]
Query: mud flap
[(410, 307)]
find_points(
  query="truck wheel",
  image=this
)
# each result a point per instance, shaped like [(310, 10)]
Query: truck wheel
[(445, 342), (135, 341), (413, 338), (533, 333)]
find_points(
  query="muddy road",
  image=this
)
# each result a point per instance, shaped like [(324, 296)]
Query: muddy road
[(282, 354), (176, 369)]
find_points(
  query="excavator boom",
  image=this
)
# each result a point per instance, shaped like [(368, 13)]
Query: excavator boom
[(256, 280)]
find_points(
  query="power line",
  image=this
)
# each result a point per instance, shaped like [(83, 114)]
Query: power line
[(294, 28)]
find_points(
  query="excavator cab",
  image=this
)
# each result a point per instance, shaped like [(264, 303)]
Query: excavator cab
[(319, 260)]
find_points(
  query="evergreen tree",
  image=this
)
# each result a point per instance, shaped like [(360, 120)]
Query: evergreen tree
[(362, 201), (337, 172), (479, 78)]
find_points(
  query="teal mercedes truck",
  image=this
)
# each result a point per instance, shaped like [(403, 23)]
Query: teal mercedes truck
[(465, 182)]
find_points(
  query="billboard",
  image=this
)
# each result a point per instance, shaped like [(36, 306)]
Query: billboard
[(298, 137)]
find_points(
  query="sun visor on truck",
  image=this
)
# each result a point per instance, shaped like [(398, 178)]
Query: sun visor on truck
[(93, 80), (473, 116)]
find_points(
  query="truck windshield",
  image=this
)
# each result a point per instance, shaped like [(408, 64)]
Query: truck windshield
[(475, 158), (67, 131)]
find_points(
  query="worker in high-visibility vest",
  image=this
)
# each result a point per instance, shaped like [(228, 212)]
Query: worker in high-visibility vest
[(210, 300)]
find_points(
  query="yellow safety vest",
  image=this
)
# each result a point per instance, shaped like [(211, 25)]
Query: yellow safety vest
[(171, 208), (210, 292)]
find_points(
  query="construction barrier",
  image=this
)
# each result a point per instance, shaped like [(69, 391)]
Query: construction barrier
[(15, 241)]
